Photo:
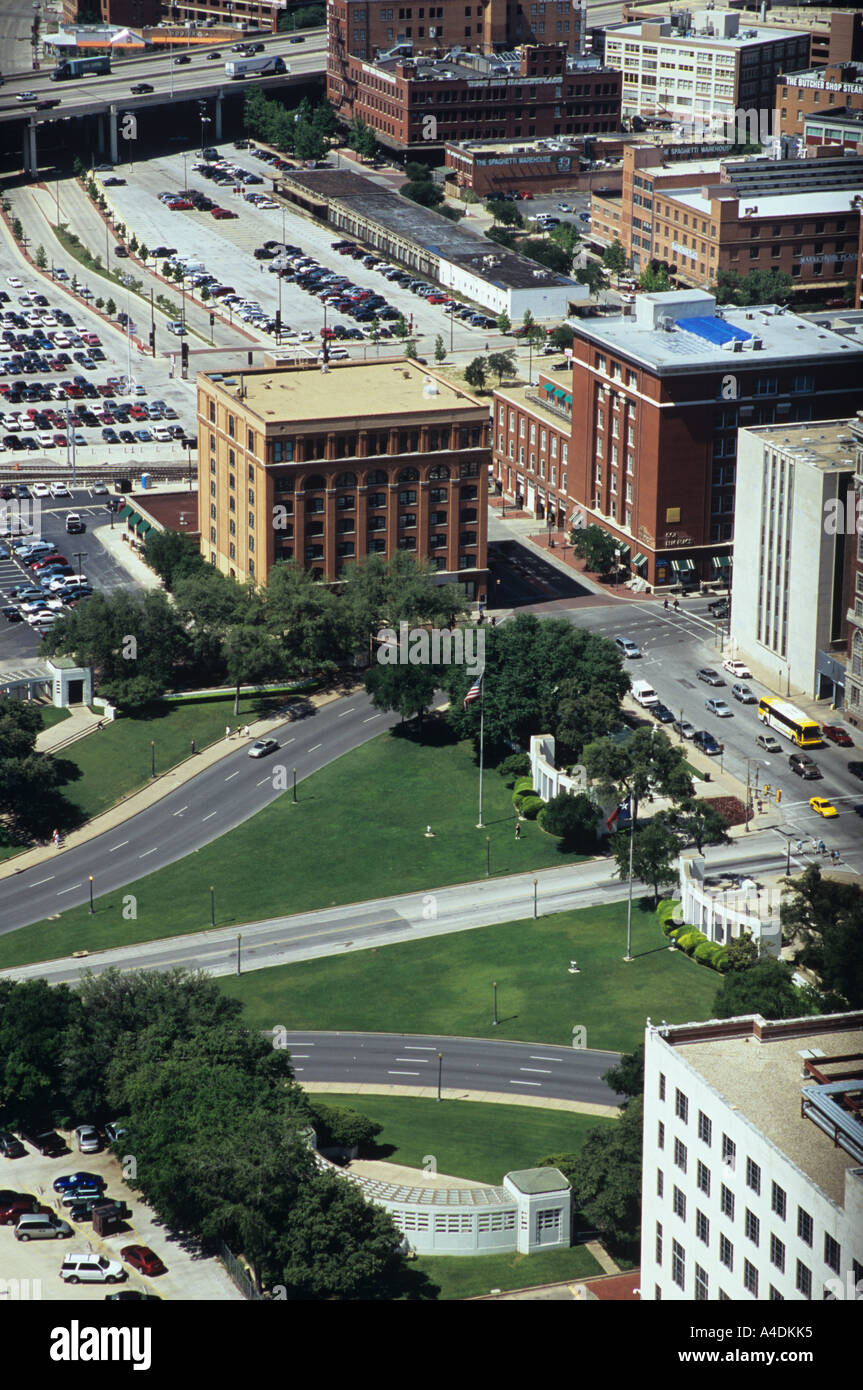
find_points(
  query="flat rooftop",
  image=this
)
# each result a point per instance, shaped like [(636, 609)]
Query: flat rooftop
[(349, 392), (761, 1079), (816, 77), (748, 37), (785, 337), (448, 240), (772, 205), (823, 444)]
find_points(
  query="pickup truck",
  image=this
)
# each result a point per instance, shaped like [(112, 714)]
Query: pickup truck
[(47, 1143)]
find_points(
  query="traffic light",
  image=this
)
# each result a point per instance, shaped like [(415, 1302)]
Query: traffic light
[(212, 318), (778, 795), (184, 355)]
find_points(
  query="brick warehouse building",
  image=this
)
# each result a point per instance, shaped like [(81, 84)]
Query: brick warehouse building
[(363, 29), (417, 104), (816, 92), (656, 402), (324, 467)]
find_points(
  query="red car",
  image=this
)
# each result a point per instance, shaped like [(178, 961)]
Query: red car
[(142, 1258), (138, 412), (92, 339), (222, 213), (60, 441), (39, 565), (436, 299), (22, 1205), (836, 734), (106, 390), (181, 205)]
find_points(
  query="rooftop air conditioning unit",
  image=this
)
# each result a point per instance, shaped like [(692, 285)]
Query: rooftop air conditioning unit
[(757, 344), (667, 323), (738, 345)]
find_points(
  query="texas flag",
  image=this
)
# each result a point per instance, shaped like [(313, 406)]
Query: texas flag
[(621, 812)]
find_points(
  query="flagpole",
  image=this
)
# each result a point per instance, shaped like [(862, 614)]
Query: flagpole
[(479, 824), (628, 955)]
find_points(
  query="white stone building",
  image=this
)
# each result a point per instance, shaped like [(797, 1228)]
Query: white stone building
[(752, 1180), (725, 906)]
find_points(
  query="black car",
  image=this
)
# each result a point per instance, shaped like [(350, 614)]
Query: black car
[(10, 1147), (140, 88), (662, 713), (804, 767), (132, 1295), (82, 1210), (720, 608), (11, 614), (183, 58)]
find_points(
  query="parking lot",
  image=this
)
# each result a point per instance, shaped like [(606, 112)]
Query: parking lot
[(189, 1274)]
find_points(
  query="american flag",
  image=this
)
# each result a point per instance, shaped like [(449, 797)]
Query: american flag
[(473, 693)]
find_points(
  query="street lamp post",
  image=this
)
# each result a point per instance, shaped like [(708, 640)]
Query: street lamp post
[(239, 947), (617, 555), (487, 856), (92, 908), (152, 758), (439, 1072), (294, 796), (212, 906), (79, 555), (494, 1020)]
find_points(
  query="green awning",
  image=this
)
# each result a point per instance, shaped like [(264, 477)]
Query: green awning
[(559, 391), (682, 566), (624, 551), (126, 512), (132, 519), (548, 386), (721, 562), (640, 560), (567, 400), (143, 527)]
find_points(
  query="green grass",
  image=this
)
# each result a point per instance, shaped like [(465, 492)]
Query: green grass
[(471, 1276), (358, 832), (444, 984), (467, 1139), (52, 716), (116, 760), (74, 247)]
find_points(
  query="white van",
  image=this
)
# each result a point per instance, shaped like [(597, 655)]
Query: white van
[(643, 692), (38, 1226)]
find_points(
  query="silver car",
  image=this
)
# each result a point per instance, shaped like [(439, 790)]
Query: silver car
[(89, 1139), (38, 1226), (719, 708)]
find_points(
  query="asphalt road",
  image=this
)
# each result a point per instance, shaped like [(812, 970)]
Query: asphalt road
[(201, 810), (474, 1064)]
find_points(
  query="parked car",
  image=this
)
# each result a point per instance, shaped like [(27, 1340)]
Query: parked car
[(10, 1147), (71, 1180), (706, 742), (737, 668), (836, 734), (804, 767), (21, 1204), (684, 728), (74, 524), (743, 694), (37, 1226), (83, 1267), (143, 1259), (662, 713), (114, 1132), (89, 1139), (49, 1143)]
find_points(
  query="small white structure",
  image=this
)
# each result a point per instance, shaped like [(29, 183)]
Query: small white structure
[(548, 780), (60, 678), (724, 906)]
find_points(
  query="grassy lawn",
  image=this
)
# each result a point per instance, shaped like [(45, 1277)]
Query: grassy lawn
[(52, 716), (470, 1276), (444, 984), (467, 1139), (357, 833), (116, 760)]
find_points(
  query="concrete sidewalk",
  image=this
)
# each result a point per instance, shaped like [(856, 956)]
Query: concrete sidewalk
[(81, 721), (154, 791), (114, 541)]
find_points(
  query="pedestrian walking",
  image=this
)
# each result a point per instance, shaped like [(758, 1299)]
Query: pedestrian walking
[(56, 839), (518, 832), (822, 847), (834, 856), (238, 731), (227, 731), (665, 604), (245, 731), (676, 606), (799, 846)]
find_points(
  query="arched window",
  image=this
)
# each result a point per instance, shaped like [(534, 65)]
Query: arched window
[(409, 475), (440, 470), (377, 477), (315, 483), (346, 480)]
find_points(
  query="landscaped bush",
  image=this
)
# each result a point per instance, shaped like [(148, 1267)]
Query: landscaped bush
[(703, 952), (689, 939), (523, 788), (573, 819), (730, 808), (531, 807), (665, 912), (516, 765)]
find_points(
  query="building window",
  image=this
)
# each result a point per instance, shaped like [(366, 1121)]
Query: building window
[(803, 1282), (753, 1176), (705, 1128), (660, 1182), (658, 1249), (660, 1136), (661, 1086), (777, 1253), (750, 1278), (703, 1178), (726, 1251), (681, 1106), (752, 1226), (678, 1264), (726, 1202), (729, 1151), (231, 426), (832, 1253), (804, 1226), (679, 1204), (778, 1200), (680, 1155), (702, 1227)]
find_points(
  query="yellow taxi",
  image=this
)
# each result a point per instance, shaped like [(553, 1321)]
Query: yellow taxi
[(822, 807)]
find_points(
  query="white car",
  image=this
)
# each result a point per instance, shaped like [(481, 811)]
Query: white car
[(59, 490), (14, 282), (737, 668), (162, 434), (40, 490), (46, 441), (177, 329), (85, 1267)]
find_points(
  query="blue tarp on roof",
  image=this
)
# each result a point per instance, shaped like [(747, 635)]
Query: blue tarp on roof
[(712, 329)]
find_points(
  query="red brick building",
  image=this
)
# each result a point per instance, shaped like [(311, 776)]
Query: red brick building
[(364, 30), (816, 92)]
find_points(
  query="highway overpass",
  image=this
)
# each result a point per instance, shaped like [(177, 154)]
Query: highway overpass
[(88, 119)]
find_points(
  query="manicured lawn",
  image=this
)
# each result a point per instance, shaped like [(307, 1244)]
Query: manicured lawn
[(471, 1276), (444, 984), (52, 716), (116, 760), (357, 833), (466, 1139)]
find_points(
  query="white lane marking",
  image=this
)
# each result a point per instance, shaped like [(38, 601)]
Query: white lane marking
[(300, 1054), (525, 1083), (180, 812), (418, 1047), (544, 1071), (316, 747), (371, 719), (233, 774), (61, 891), (263, 780), (210, 816), (116, 847), (148, 851), (49, 879), (531, 1058), (424, 1060), (402, 1073), (346, 711), (299, 1068), (287, 741)]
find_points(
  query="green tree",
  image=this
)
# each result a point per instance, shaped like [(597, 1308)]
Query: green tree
[(606, 1177), (701, 823), (309, 144), (400, 327), (654, 279), (78, 168), (110, 308), (561, 337), (645, 764), (654, 851), (251, 657), (546, 253), (769, 286), (507, 239), (416, 172), (823, 923), (17, 229), (144, 251), (172, 555), (408, 690), (504, 323), (566, 237), (741, 951), (573, 818), (205, 294), (307, 620), (591, 275), (133, 243), (361, 138), (410, 348), (475, 373), (375, 331), (502, 364), (427, 194), (41, 257), (336, 1126), (33, 1020), (766, 988), (627, 1078), (99, 302), (506, 213), (30, 801), (614, 258), (439, 349), (596, 547)]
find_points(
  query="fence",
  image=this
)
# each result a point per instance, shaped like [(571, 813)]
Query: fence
[(239, 1275)]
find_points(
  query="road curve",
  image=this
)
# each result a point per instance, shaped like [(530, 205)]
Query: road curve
[(516, 1069)]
